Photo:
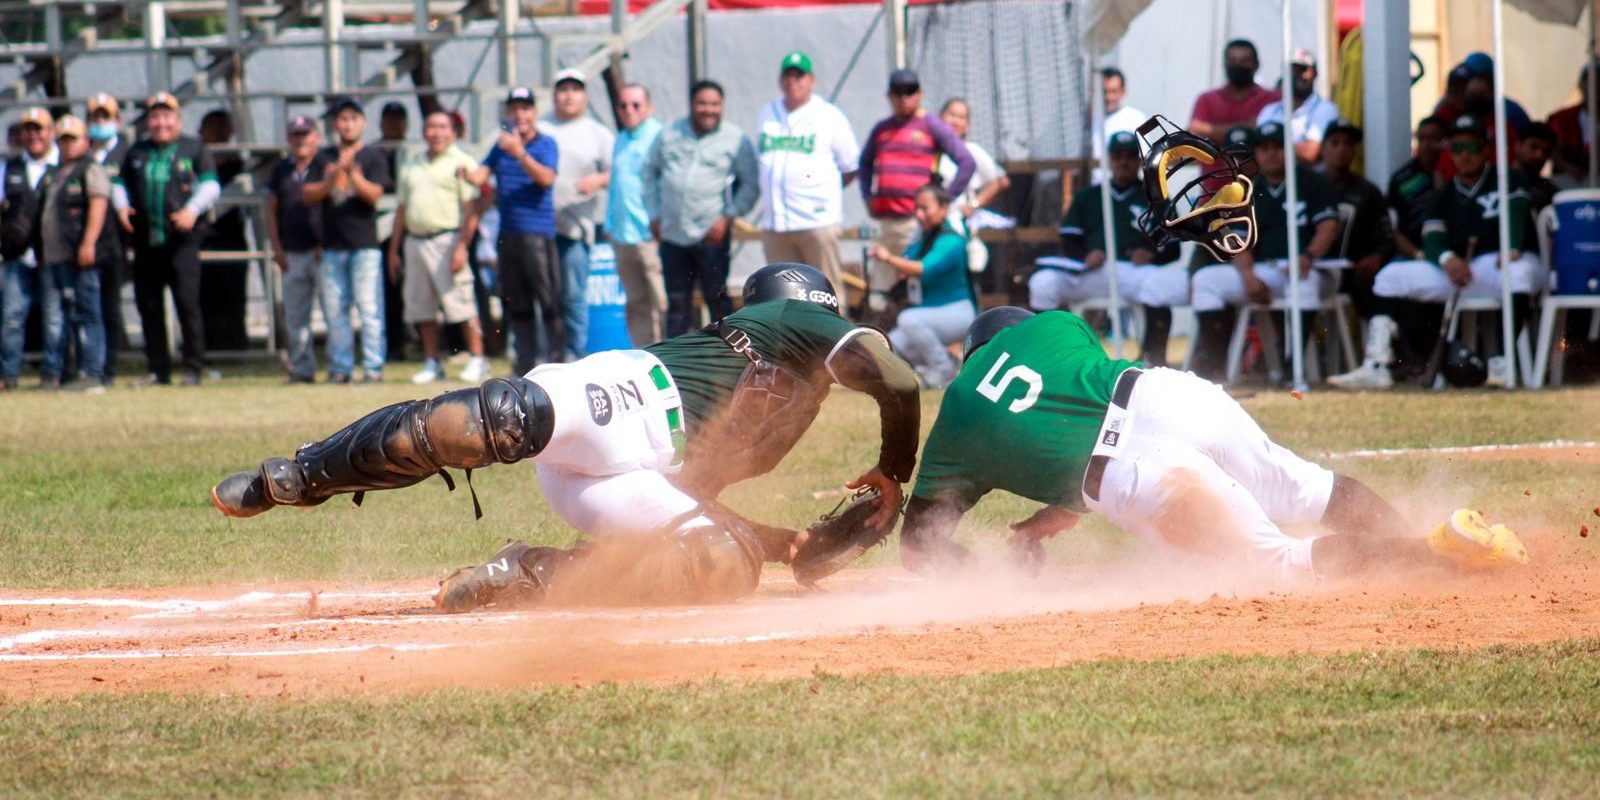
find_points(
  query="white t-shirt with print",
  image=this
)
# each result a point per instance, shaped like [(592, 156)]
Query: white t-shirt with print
[(804, 154), (1311, 119)]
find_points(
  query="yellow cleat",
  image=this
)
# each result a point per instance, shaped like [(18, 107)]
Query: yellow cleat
[(1468, 541)]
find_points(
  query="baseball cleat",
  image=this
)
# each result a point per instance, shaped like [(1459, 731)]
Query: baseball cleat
[(1468, 541), (502, 580), (1367, 376), (241, 495)]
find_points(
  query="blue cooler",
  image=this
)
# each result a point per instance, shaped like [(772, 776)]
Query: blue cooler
[(608, 319), (1575, 241)]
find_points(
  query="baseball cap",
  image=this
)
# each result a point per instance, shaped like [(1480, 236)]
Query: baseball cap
[(1460, 74), (903, 79), (392, 108), (1343, 125), (1122, 140), (101, 101), (36, 115), (301, 123), (1302, 57), (1271, 130), (1468, 125), (520, 94), (795, 60), (343, 102), (1241, 136), (161, 100), (571, 74), (69, 125), (1479, 63)]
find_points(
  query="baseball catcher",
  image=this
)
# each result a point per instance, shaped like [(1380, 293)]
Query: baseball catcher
[(632, 448)]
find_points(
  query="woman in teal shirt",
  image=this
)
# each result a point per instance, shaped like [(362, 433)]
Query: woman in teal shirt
[(942, 304)]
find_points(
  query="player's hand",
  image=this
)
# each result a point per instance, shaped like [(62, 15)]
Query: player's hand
[(718, 232), (183, 219), (887, 487), (1255, 289), (1306, 263), (1095, 259), (1368, 266), (347, 159), (1141, 256), (1455, 267), (282, 260), (1512, 255)]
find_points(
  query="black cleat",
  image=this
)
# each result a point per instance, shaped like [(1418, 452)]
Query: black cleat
[(517, 575)]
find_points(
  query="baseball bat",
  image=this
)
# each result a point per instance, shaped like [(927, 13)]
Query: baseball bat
[(1436, 359)]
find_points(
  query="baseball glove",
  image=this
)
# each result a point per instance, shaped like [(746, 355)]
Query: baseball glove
[(840, 537)]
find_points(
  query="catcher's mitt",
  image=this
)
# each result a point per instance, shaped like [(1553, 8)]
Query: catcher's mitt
[(840, 537)]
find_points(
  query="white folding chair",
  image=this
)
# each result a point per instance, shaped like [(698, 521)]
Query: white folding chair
[(1339, 305)]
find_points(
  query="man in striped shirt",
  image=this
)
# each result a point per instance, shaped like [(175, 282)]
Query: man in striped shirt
[(901, 154)]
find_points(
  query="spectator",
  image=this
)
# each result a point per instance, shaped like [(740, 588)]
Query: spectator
[(1366, 239), (108, 148), (808, 155), (1573, 134), (223, 283), (1534, 149), (19, 223), (436, 219), (1479, 102), (347, 179), (1119, 116), (71, 250), (394, 124), (1082, 274), (1454, 102), (585, 171), (523, 162), (900, 156), (1413, 186), (628, 221), (1312, 113), (1461, 243), (1243, 137), (989, 180), (14, 145), (700, 177), (1239, 101), (162, 192), (1261, 274), (942, 301), (295, 229)]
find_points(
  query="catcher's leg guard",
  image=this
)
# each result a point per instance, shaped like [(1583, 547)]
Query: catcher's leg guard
[(689, 562), (502, 421), (516, 575)]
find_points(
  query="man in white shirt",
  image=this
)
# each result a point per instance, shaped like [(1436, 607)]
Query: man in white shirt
[(1119, 116), (1312, 113), (582, 176), (808, 155)]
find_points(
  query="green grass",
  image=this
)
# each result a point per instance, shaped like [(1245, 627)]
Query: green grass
[(1512, 721)]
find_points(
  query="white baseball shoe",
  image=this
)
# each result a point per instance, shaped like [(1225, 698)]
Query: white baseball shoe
[(431, 371), (476, 371), (1369, 376)]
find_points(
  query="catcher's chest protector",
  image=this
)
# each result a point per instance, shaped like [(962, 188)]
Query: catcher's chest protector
[(771, 408)]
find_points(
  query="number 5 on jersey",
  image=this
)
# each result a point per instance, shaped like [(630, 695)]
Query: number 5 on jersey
[(993, 390)]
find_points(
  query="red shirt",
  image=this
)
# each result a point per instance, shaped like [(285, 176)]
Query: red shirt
[(1220, 108)]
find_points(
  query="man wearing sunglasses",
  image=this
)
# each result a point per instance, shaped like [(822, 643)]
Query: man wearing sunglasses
[(627, 219), (900, 156), (1461, 249)]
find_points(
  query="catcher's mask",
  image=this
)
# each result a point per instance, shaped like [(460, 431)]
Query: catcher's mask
[(1197, 192)]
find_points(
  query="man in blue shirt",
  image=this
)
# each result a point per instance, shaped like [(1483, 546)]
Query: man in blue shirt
[(628, 220), (523, 164)]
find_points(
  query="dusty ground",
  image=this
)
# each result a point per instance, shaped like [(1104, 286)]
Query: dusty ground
[(272, 640)]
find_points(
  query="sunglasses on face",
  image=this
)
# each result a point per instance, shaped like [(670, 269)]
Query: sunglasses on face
[(1466, 147)]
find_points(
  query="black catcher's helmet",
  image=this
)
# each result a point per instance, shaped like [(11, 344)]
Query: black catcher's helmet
[(789, 280), (1197, 192), (989, 323), (1462, 367)]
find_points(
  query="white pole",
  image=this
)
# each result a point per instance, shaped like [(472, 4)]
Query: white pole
[(1501, 170), (1593, 96), (1106, 221), (1291, 208)]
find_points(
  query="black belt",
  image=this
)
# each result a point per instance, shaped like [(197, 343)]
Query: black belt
[(1120, 394), (435, 233)]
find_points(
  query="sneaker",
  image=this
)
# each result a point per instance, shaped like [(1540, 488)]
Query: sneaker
[(372, 376), (84, 386), (1469, 542), (1368, 376), (153, 380), (431, 371), (338, 377), (298, 379), (190, 379), (48, 385), (1497, 372), (477, 370)]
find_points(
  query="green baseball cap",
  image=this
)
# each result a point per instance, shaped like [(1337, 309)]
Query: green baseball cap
[(795, 60)]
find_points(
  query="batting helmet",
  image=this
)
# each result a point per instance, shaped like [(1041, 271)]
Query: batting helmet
[(788, 280), (989, 323), (1462, 367), (1197, 192)]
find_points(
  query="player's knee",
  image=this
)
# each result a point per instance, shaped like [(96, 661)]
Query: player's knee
[(1043, 291), (721, 561)]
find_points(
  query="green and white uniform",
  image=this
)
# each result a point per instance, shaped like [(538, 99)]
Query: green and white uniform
[(1040, 411), (1214, 288), (1061, 281)]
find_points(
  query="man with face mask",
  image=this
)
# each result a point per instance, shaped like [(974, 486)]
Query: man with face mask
[(1312, 113), (1239, 101), (107, 147)]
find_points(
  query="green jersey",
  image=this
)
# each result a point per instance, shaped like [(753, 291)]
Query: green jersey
[(1316, 204), (1462, 213), (1083, 229), (1022, 416)]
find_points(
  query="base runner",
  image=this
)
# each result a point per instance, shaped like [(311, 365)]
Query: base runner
[(632, 448), (1039, 410)]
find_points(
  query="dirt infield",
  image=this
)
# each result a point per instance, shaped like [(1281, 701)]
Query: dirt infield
[(276, 640)]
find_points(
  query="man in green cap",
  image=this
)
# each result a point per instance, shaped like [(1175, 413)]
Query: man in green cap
[(808, 155)]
